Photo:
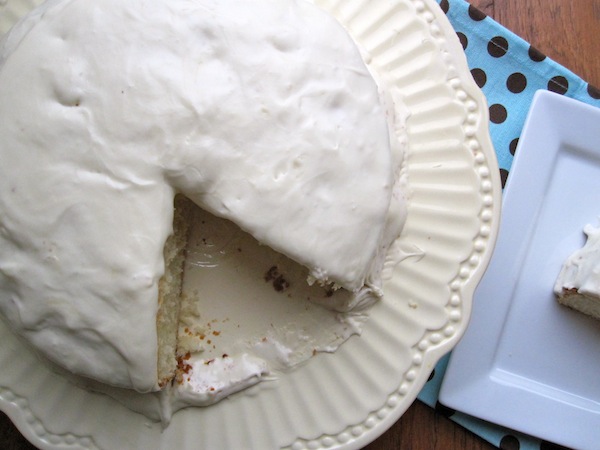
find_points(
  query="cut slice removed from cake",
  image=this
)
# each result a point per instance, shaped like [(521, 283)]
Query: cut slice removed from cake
[(262, 113)]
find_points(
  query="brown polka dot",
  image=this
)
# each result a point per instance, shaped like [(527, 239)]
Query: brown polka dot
[(498, 113), (516, 83), (593, 91), (444, 410), (463, 40), (558, 84), (479, 76), (431, 375), (512, 147), (497, 47), (535, 55), (445, 6), (476, 14), (509, 442), (503, 177)]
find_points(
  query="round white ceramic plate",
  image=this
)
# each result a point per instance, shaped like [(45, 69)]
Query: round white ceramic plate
[(348, 398)]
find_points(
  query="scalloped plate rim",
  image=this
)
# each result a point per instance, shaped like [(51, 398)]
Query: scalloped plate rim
[(434, 15)]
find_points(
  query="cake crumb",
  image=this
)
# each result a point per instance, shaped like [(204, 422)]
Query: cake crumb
[(280, 283)]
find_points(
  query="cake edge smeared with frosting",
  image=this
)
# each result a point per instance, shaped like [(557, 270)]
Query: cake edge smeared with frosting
[(83, 230)]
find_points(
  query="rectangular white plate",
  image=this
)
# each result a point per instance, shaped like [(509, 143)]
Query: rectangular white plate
[(526, 362)]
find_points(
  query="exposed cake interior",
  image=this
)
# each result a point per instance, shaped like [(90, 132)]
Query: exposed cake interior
[(170, 289)]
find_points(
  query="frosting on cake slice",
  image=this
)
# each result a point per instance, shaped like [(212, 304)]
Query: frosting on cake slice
[(578, 284)]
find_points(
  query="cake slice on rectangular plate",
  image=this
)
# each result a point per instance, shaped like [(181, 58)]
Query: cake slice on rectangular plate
[(578, 284)]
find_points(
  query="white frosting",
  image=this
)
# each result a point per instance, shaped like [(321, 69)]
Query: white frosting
[(210, 380), (261, 112), (581, 270)]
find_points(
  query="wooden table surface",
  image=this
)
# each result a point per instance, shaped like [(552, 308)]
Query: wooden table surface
[(565, 31)]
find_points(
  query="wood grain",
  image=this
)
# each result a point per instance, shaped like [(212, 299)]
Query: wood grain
[(565, 31)]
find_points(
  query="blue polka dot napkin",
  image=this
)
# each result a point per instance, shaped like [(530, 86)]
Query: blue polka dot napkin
[(509, 71)]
